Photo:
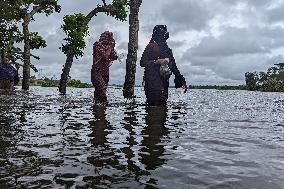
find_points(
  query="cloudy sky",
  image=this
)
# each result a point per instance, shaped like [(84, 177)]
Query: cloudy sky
[(214, 41)]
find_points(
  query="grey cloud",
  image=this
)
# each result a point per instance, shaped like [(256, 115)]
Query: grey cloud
[(235, 67), (197, 71), (258, 3), (186, 14), (275, 14), (175, 43), (240, 41), (123, 46), (235, 52), (254, 3)]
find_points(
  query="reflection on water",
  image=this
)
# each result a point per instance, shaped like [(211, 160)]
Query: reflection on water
[(153, 150), (205, 139), (109, 162)]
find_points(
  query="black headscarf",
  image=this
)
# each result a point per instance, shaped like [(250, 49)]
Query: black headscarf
[(160, 36)]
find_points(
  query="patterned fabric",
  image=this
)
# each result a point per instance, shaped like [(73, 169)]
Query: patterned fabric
[(103, 55)]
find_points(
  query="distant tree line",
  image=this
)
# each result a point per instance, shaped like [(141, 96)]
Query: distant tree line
[(218, 87), (47, 82), (52, 82), (271, 81)]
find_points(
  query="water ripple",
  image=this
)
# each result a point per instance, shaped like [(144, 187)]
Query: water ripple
[(204, 139)]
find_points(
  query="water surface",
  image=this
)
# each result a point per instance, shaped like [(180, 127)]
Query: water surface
[(203, 139)]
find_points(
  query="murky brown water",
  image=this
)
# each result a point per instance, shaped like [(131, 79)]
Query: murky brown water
[(205, 139)]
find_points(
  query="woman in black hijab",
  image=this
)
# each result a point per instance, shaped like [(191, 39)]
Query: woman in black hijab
[(159, 63)]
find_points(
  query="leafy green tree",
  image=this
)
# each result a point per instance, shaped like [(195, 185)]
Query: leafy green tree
[(280, 71), (76, 29), (8, 12), (24, 11), (10, 35), (271, 81), (251, 81)]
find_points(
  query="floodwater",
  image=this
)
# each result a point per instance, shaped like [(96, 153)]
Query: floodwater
[(203, 139)]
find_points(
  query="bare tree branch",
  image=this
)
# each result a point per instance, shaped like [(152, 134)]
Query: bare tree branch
[(35, 10), (38, 8), (104, 2), (98, 9)]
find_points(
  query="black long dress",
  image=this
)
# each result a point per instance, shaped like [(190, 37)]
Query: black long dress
[(156, 88)]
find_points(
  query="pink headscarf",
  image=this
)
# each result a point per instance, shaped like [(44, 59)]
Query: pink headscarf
[(102, 46)]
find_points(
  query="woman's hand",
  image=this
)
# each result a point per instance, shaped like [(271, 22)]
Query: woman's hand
[(161, 61), (112, 44)]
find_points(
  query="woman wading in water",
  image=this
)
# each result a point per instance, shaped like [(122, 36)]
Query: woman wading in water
[(103, 55), (159, 64)]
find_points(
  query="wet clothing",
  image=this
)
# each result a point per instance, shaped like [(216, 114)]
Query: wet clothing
[(103, 55), (8, 76), (6, 84), (156, 88)]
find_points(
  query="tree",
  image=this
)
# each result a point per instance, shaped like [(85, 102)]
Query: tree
[(9, 31), (44, 6), (251, 81), (271, 81), (25, 10), (10, 35), (281, 71), (76, 29), (128, 88), (8, 12)]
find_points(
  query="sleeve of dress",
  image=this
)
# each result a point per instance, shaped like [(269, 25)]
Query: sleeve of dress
[(96, 52), (149, 55), (179, 78), (144, 57)]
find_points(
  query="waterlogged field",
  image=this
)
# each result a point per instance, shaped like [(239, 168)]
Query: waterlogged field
[(203, 139)]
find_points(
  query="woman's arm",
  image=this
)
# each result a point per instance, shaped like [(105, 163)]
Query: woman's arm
[(150, 54), (179, 80)]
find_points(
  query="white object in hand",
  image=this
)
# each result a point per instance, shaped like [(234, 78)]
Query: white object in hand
[(120, 57)]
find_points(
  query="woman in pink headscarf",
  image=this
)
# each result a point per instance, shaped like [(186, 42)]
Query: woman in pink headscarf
[(103, 55)]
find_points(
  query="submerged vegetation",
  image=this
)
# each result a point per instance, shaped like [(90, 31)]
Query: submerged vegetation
[(271, 81)]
